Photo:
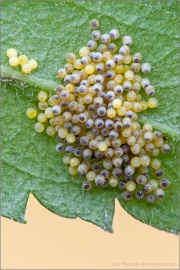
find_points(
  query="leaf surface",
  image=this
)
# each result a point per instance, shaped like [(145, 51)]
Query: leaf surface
[(47, 31)]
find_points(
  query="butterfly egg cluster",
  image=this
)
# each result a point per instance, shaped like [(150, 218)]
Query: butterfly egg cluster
[(94, 116), (27, 65)]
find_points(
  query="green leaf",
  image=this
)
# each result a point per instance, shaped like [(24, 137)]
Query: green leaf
[(47, 31)]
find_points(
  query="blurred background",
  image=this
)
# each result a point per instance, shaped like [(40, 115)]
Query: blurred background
[(48, 241)]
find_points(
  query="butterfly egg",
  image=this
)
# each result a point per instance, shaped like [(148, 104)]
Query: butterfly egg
[(111, 113), (127, 85), (159, 142), (153, 183), (150, 198), (77, 65), (70, 138), (131, 96), (139, 194), (89, 69), (42, 105), (109, 152), (74, 162), (145, 82), (165, 149), (77, 151), (106, 38), (127, 40), (62, 133), (48, 112), (84, 140), (84, 51), (50, 131), (144, 104), (82, 169), (69, 67), (135, 149), (152, 103), (105, 173), (137, 57), (102, 146), (70, 58), (130, 186), (136, 106), (14, 61), (96, 167), (127, 61), (131, 140), (59, 120), (159, 173), (86, 185), (11, 52), (117, 161), (129, 170), (117, 103), (99, 180), (97, 57), (72, 170), (41, 118), (127, 104), (147, 127), (87, 153), (148, 136), (114, 34), (96, 35), (113, 182), (91, 44), (42, 96), (159, 194), (98, 154), (129, 75), (118, 126), (127, 196), (135, 67), (155, 152), (145, 160), (155, 164), (141, 179), (149, 147), (31, 113), (126, 132), (121, 111), (147, 188), (146, 68), (113, 134), (112, 47), (59, 88), (90, 176), (110, 63), (39, 127), (124, 50), (60, 147), (130, 114), (164, 183), (107, 164), (136, 162), (118, 79), (61, 73), (23, 59), (94, 24), (33, 64)]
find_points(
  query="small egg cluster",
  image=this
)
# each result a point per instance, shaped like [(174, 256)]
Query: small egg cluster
[(94, 116), (27, 65)]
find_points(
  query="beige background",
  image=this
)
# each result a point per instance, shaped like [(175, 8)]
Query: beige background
[(51, 242)]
